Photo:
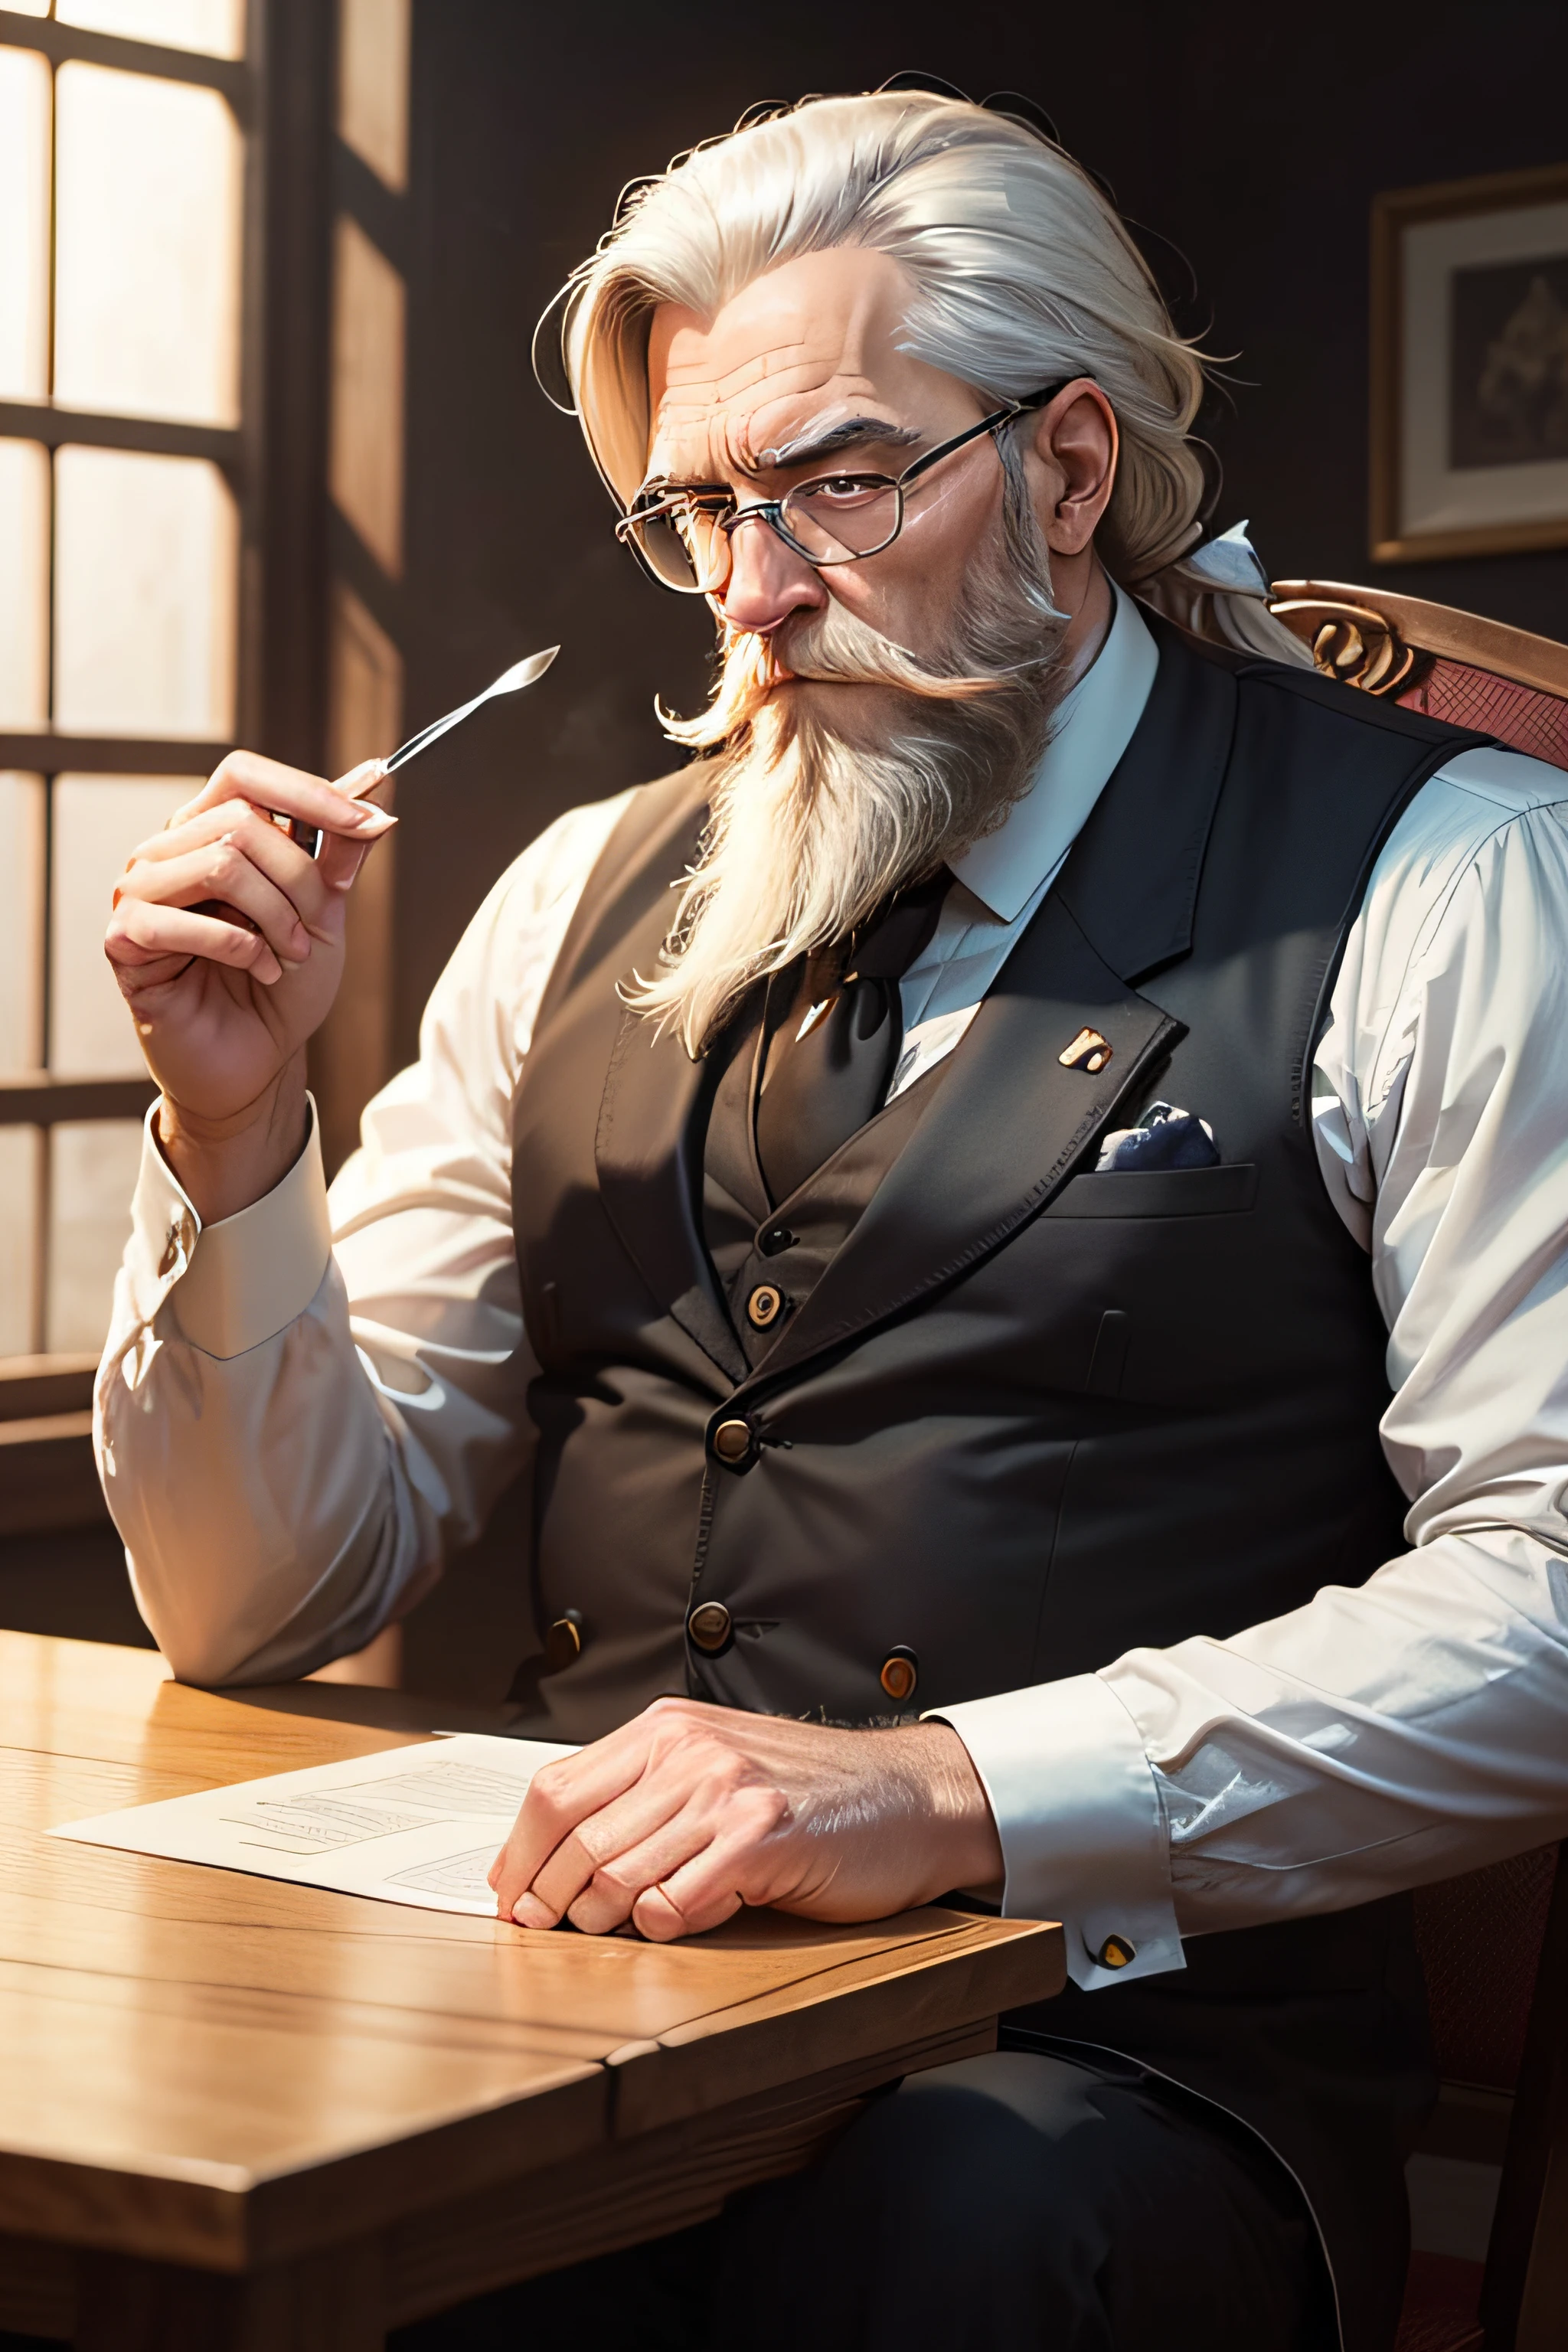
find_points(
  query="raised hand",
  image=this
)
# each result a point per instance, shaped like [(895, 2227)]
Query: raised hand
[(689, 1812), (226, 941)]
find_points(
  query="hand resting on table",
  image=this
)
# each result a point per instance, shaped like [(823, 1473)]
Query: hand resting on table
[(689, 1812)]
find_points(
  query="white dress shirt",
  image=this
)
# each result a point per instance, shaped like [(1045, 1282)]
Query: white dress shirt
[(301, 1408)]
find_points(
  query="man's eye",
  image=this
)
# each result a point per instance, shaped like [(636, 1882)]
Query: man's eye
[(846, 489)]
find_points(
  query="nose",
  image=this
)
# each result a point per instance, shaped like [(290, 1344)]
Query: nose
[(768, 581)]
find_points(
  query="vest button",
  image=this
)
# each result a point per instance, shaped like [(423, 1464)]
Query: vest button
[(708, 1626), (901, 1672), (773, 1238), (563, 1642), (732, 1443), (764, 1305)]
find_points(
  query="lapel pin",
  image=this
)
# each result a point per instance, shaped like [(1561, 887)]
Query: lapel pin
[(1089, 1051)]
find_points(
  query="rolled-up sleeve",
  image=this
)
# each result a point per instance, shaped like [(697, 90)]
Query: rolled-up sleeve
[(303, 1407)]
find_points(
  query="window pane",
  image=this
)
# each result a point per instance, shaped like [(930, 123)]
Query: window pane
[(145, 562), (92, 1174), (98, 822), (147, 247), (364, 685), (20, 1154), (372, 84), (21, 923), (23, 224), (23, 584), (365, 466), (215, 28)]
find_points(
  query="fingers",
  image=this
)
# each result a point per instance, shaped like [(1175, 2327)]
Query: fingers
[(560, 1795), (596, 1874), (701, 1896), (141, 936), (360, 783), (310, 883), (601, 1830), (268, 784), (719, 1852), (222, 880)]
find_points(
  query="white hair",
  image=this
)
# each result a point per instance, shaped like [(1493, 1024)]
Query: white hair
[(1023, 275)]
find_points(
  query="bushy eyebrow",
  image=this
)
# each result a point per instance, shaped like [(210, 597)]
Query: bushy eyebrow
[(855, 433)]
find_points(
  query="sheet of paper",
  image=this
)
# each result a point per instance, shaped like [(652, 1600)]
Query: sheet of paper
[(419, 1825)]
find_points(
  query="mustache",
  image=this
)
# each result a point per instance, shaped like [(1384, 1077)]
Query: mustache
[(835, 647)]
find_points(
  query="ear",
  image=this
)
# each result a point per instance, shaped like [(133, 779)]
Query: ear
[(1070, 461)]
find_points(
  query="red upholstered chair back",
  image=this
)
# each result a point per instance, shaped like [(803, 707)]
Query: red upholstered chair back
[(1520, 716)]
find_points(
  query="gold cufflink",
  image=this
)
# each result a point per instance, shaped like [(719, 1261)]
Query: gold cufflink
[(1089, 1051), (1115, 1953)]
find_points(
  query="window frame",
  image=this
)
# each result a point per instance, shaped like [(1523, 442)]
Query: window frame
[(272, 461)]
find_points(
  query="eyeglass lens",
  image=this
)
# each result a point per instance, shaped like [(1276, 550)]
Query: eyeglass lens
[(828, 521), (684, 548)]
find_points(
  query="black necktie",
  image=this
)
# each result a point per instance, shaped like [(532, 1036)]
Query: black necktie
[(834, 1027)]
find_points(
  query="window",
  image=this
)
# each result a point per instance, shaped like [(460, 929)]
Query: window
[(127, 584)]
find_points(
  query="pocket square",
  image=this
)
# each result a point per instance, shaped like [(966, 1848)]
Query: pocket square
[(1164, 1137)]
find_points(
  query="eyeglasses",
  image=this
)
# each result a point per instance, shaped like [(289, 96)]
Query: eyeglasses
[(681, 537)]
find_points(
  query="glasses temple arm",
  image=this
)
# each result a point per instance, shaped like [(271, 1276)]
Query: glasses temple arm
[(992, 424)]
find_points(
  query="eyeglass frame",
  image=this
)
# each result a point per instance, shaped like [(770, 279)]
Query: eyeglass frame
[(771, 510)]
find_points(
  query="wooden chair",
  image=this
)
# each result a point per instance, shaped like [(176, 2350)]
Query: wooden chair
[(1494, 1945), (1454, 666)]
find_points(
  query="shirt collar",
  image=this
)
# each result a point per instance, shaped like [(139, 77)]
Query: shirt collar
[(1091, 731)]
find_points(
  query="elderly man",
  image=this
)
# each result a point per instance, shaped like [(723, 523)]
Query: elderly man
[(1014, 1200)]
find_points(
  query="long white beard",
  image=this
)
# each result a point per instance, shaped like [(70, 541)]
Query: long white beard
[(810, 832)]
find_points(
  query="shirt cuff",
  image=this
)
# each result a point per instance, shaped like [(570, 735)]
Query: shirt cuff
[(241, 1281), (1078, 1811)]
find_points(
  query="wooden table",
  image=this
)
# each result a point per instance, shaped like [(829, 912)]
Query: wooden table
[(237, 2113)]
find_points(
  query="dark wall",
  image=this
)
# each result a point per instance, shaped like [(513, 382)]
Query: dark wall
[(1251, 137)]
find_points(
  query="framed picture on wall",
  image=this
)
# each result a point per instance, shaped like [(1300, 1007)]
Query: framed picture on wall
[(1469, 367)]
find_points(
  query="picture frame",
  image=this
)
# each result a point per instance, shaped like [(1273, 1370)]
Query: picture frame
[(1469, 367)]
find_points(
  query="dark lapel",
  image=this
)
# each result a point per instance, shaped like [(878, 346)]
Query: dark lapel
[(1009, 1123), (1132, 879), (648, 1142)]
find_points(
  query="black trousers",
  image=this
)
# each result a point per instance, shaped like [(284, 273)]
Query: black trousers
[(1025, 2201)]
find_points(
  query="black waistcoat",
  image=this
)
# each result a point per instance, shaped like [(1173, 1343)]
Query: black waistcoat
[(1019, 1417)]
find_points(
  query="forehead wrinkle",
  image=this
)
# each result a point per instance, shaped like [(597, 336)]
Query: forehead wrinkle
[(705, 374), (711, 446), (752, 440)]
